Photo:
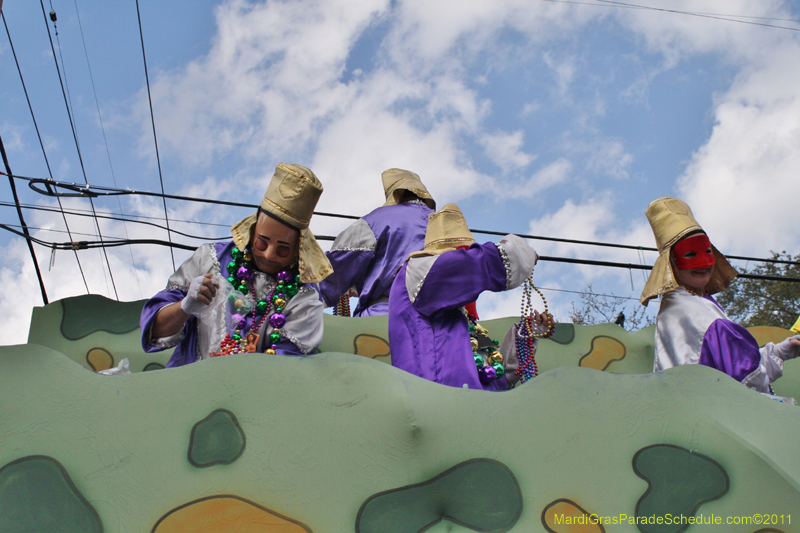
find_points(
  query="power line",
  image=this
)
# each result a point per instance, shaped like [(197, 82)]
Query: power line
[(123, 217), (74, 131), (105, 140), (39, 135), (25, 233), (71, 114), (589, 293), (715, 16), (85, 245), (155, 138), (84, 213), (694, 14), (50, 189)]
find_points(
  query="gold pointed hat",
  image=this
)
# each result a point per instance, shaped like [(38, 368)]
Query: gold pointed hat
[(447, 230), (671, 220), (291, 197), (396, 181)]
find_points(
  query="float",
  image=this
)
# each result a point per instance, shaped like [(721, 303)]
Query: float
[(343, 442)]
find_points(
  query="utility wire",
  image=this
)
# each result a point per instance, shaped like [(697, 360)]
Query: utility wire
[(155, 138), (50, 187), (125, 217), (85, 245), (105, 140), (693, 14), (589, 293), (75, 134), (71, 113), (716, 16), (25, 232), (39, 135), (84, 213)]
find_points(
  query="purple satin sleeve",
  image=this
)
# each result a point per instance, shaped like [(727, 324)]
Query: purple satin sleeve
[(380, 308), (349, 270), (186, 350), (459, 277), (730, 348)]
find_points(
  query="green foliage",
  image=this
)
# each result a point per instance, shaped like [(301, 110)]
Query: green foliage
[(606, 309), (756, 302)]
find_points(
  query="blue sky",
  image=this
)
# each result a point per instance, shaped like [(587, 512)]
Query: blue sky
[(562, 119)]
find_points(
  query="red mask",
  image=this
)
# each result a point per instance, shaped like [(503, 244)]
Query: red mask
[(693, 252)]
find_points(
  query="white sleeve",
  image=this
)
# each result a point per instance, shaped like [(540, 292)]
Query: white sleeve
[(304, 324), (358, 237), (203, 261), (770, 362), (519, 258)]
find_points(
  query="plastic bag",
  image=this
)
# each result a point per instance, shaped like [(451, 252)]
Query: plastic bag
[(214, 315), (122, 369), (223, 314)]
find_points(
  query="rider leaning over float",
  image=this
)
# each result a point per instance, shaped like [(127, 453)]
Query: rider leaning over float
[(273, 260), (366, 255), (691, 327), (430, 330)]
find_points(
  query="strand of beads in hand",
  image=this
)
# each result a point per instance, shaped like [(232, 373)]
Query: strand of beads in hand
[(342, 307), (526, 335), (241, 276)]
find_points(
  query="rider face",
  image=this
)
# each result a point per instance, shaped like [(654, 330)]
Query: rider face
[(274, 244)]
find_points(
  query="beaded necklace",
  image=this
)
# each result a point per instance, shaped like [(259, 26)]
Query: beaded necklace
[(488, 360), (524, 336), (342, 307), (241, 276), (694, 291)]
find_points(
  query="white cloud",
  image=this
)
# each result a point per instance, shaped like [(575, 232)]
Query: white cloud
[(594, 220), (12, 137), (531, 108), (552, 174), (271, 76), (609, 157), (564, 69), (505, 150), (741, 183), (676, 36)]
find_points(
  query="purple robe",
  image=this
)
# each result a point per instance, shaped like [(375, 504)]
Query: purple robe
[(213, 258), (368, 254), (695, 330), (428, 328)]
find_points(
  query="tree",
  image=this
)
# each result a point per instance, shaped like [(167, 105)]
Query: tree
[(603, 309), (757, 302)]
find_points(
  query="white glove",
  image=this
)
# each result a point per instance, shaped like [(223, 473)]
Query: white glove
[(200, 293), (788, 348)]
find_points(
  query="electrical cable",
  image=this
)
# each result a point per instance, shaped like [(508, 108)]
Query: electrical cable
[(715, 16), (124, 220), (153, 121), (693, 14), (41, 143), (24, 233), (85, 245), (71, 115), (75, 134), (101, 191), (125, 217), (589, 293), (105, 140)]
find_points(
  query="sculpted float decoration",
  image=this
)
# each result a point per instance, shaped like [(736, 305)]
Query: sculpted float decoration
[(341, 441)]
